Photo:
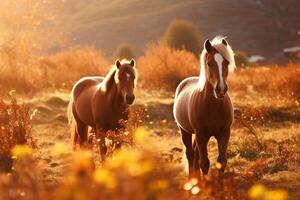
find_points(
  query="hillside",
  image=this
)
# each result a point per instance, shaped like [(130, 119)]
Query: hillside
[(257, 27)]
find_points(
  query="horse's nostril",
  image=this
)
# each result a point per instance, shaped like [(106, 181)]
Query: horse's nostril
[(217, 89), (225, 88), (130, 98)]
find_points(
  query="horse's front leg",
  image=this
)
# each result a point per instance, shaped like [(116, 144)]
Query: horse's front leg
[(202, 141), (223, 138), (100, 136)]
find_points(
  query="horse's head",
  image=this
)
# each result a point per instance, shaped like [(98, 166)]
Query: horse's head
[(217, 67), (126, 79)]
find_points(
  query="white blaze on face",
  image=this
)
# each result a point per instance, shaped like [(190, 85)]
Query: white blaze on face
[(219, 60), (127, 76)]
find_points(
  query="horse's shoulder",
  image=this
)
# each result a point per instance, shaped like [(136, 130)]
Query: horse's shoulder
[(186, 83)]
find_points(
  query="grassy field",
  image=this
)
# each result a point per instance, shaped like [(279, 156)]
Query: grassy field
[(264, 141), (39, 67)]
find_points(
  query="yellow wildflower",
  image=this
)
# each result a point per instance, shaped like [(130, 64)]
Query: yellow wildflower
[(20, 151), (256, 191), (140, 168), (105, 178), (83, 159), (124, 158), (140, 134), (276, 195)]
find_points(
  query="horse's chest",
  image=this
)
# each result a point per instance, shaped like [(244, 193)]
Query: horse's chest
[(212, 115), (112, 118)]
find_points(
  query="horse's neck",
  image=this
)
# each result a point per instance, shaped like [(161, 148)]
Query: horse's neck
[(208, 90), (206, 93), (114, 95)]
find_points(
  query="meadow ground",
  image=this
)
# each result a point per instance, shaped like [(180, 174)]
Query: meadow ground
[(264, 141)]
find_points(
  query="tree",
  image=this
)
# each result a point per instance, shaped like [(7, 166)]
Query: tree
[(124, 51), (183, 34)]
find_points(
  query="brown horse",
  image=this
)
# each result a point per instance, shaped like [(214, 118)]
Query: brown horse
[(203, 106), (101, 102)]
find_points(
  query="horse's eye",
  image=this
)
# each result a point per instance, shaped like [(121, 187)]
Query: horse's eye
[(209, 64)]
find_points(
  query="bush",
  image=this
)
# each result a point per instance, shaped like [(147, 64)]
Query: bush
[(270, 80), (241, 59), (124, 51), (27, 32), (15, 130), (183, 34), (164, 68), (66, 67)]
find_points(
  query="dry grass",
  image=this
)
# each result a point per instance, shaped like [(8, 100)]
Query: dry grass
[(57, 71), (65, 68), (15, 130), (163, 68), (132, 174), (268, 80)]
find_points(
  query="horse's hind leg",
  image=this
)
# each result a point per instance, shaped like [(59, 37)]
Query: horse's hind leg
[(196, 156), (223, 139), (189, 152), (81, 130)]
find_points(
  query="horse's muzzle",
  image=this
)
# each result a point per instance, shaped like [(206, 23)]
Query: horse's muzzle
[(129, 98), (220, 93)]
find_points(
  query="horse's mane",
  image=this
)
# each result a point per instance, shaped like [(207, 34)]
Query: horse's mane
[(225, 50), (109, 79)]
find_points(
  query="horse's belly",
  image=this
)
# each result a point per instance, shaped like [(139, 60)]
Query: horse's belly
[(83, 108)]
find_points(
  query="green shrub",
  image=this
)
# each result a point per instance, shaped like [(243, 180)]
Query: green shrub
[(241, 59), (124, 51), (183, 34)]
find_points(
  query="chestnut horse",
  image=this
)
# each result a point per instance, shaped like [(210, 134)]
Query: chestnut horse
[(203, 107), (101, 102)]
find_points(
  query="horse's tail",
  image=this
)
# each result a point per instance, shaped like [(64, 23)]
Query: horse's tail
[(72, 122)]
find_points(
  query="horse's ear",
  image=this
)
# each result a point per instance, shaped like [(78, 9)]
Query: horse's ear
[(207, 45), (132, 62), (118, 63), (224, 42)]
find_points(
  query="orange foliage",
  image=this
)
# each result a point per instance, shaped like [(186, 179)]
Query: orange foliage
[(270, 80), (65, 68), (164, 68), (15, 130)]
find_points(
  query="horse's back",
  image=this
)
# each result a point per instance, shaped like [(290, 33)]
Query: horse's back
[(186, 84), (85, 83), (181, 103)]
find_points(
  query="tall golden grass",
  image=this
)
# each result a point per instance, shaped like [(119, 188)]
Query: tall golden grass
[(15, 130), (163, 67), (28, 29), (132, 174), (271, 80), (65, 68)]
